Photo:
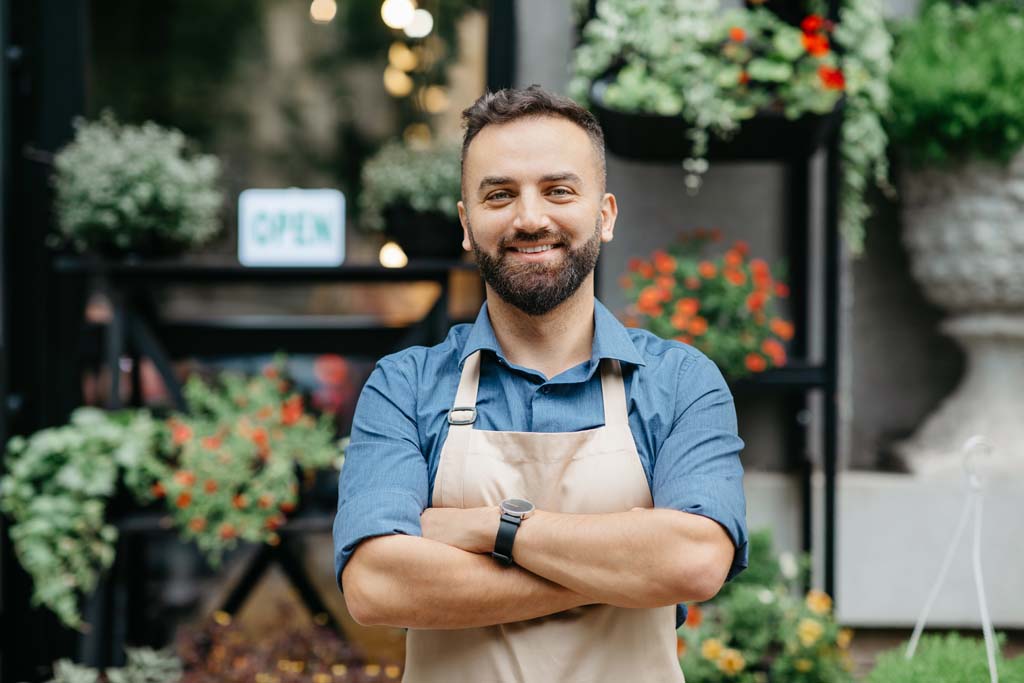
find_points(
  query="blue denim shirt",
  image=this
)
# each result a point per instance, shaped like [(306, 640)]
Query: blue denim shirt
[(681, 415)]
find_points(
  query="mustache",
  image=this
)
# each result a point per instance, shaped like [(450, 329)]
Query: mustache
[(527, 237)]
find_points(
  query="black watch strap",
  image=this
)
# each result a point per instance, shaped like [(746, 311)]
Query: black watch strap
[(507, 528)]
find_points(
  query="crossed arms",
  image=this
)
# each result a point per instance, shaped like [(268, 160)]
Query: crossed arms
[(446, 579)]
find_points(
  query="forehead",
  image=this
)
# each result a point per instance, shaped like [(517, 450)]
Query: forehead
[(529, 147)]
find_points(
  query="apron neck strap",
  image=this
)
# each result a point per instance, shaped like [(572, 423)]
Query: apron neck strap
[(613, 394)]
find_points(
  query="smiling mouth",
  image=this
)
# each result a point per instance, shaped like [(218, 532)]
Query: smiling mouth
[(534, 250)]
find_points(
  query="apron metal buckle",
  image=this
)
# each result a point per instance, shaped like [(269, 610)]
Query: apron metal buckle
[(452, 420)]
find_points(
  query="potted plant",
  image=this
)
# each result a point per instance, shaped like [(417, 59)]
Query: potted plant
[(144, 665), (763, 627), (58, 484), (679, 79), (724, 306), (958, 121), (134, 189), (410, 193), (948, 658)]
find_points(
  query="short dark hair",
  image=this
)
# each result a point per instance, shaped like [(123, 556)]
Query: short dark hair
[(512, 104)]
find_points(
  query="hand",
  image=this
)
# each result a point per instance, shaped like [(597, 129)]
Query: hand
[(470, 529)]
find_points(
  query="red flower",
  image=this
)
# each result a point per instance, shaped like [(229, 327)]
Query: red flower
[(832, 79), (688, 306), (646, 270), (287, 507), (184, 500), (184, 477), (812, 23), (274, 522), (755, 362), (664, 263), (742, 247), (211, 443), (239, 501), (815, 43), (685, 339), (228, 531), (774, 350), (736, 277), (270, 372), (694, 616), (755, 301), (781, 290), (330, 368), (633, 265), (180, 433), (733, 258), (744, 78), (666, 282), (210, 486), (291, 411), (157, 490), (649, 301), (197, 524), (698, 326), (758, 265), (737, 34), (626, 282), (692, 283), (707, 269), (260, 438), (265, 501), (782, 328)]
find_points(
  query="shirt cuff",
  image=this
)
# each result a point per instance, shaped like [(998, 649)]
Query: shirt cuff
[(717, 498), (382, 512)]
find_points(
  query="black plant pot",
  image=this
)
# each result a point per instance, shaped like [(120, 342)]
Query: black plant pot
[(767, 136), (424, 235)]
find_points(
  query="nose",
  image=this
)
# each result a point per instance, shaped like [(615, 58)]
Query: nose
[(530, 213)]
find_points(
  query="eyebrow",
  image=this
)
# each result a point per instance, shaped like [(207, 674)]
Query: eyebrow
[(492, 181)]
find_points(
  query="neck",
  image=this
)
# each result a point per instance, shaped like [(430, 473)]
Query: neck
[(550, 343)]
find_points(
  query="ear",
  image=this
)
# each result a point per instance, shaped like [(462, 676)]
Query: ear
[(609, 212), (464, 219)]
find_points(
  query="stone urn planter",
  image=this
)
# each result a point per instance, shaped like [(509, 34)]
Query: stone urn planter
[(964, 229)]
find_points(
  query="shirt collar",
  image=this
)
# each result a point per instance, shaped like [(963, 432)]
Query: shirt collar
[(611, 340)]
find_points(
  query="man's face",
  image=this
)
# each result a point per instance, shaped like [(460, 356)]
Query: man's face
[(534, 210)]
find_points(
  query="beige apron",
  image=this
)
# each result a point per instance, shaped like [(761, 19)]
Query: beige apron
[(593, 471)]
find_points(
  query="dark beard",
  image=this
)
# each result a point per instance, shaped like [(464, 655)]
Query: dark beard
[(536, 288)]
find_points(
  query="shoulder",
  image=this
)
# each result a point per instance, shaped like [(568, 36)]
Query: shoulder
[(670, 359)]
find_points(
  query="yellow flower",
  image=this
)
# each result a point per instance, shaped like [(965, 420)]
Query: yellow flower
[(808, 631), (844, 637), (731, 662), (711, 649), (803, 665), (846, 661), (819, 602)]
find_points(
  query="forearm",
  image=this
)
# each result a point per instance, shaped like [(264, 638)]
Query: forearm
[(643, 558), (415, 582)]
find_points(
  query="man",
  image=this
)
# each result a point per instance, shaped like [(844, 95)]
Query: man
[(533, 497)]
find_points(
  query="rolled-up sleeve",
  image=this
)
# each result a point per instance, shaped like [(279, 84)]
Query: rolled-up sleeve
[(382, 488), (697, 468)]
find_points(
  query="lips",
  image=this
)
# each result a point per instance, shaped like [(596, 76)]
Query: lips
[(536, 249)]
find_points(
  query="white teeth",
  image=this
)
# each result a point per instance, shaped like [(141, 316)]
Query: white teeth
[(534, 250)]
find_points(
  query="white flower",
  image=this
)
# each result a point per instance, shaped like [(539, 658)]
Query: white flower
[(766, 597), (788, 566)]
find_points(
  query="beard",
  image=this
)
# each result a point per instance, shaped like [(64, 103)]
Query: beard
[(538, 288)]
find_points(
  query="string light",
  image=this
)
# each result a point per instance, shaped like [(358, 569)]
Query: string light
[(434, 99), (421, 25), (397, 82), (392, 256), (401, 57), (397, 14), (322, 11)]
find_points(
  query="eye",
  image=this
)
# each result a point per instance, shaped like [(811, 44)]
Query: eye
[(499, 196), (560, 191)]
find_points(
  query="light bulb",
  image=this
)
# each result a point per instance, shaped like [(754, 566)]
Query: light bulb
[(401, 57), (397, 13), (397, 82), (421, 25), (392, 256), (322, 11)]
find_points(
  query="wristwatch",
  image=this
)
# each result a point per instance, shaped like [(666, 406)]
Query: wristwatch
[(513, 512)]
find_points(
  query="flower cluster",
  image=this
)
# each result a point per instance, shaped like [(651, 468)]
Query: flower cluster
[(134, 188), (724, 306), (761, 629), (232, 473), (422, 179)]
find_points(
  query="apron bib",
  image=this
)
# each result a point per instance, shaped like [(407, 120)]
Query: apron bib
[(593, 471)]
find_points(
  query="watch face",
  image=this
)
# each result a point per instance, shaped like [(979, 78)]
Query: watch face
[(516, 506)]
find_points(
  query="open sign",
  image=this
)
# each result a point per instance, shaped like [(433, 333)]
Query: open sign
[(291, 227)]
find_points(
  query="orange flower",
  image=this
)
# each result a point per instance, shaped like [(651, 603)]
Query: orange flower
[(291, 411), (287, 507), (646, 270), (812, 23), (265, 501), (197, 524), (680, 648), (665, 282), (684, 338), (782, 328), (755, 362), (274, 523), (184, 500), (744, 78), (626, 282), (755, 301), (815, 43), (742, 247), (736, 277), (781, 290), (832, 79), (707, 269), (733, 258), (692, 282), (210, 486), (762, 280), (664, 263), (649, 299), (228, 531), (270, 372), (694, 616), (819, 602), (180, 433), (211, 443), (688, 306), (737, 34), (264, 413), (774, 350), (759, 265), (260, 438), (633, 264), (157, 490), (239, 501), (698, 326), (680, 321), (184, 477)]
